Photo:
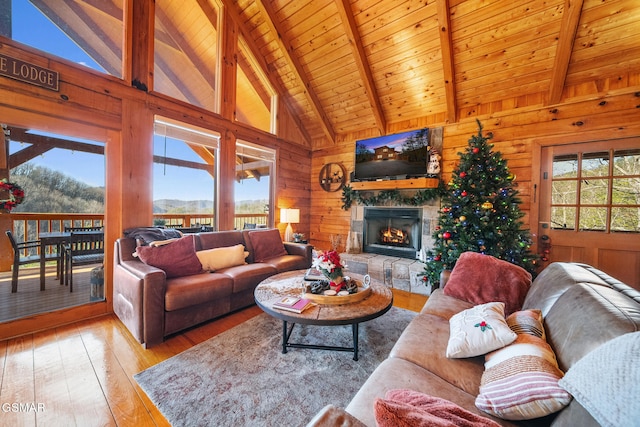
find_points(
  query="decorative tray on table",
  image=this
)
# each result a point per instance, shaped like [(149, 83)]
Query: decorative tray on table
[(329, 296)]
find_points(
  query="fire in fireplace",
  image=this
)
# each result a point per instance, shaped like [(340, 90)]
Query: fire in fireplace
[(392, 231)]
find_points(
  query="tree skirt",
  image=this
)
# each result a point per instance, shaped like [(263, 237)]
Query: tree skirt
[(241, 377)]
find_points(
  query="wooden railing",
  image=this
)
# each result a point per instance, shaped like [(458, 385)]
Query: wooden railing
[(27, 226)]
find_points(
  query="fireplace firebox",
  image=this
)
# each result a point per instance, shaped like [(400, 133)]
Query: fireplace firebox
[(392, 231)]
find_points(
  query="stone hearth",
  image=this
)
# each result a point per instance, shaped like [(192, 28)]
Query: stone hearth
[(397, 273)]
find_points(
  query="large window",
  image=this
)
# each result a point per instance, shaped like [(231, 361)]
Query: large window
[(254, 194), (596, 191), (184, 174), (87, 33)]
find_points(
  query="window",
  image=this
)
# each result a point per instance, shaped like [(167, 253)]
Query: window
[(87, 33), (254, 94), (184, 174), (255, 167), (185, 51), (596, 191)]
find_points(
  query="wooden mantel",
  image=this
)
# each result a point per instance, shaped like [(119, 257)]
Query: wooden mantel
[(398, 184)]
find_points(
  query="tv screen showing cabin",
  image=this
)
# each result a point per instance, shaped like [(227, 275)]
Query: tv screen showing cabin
[(397, 156)]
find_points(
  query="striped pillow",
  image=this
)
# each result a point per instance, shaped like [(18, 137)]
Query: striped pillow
[(520, 381)]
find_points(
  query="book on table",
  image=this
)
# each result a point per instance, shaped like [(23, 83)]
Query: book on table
[(293, 304)]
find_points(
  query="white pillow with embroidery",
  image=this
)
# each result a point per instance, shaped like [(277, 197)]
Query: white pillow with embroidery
[(478, 330)]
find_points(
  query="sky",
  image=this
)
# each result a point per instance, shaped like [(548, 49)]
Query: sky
[(90, 168)]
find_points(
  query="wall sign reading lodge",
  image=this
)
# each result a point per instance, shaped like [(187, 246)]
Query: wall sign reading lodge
[(28, 73)]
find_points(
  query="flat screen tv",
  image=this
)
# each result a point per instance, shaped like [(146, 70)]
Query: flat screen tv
[(398, 156)]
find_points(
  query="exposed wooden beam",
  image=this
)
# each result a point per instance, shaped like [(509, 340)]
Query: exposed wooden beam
[(566, 39), (444, 21), (346, 14), (289, 56), (270, 75)]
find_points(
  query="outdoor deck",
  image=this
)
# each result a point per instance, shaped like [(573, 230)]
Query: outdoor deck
[(30, 300)]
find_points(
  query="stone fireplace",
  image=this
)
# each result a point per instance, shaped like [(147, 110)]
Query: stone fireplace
[(392, 231), (396, 262)]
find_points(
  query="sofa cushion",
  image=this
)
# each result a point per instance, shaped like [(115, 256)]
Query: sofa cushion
[(478, 330), (217, 258), (411, 408), (177, 258), (188, 291), (395, 373), (424, 343), (520, 381), (605, 381), (266, 244), (479, 279), (246, 277)]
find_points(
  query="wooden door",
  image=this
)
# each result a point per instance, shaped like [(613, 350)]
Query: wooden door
[(590, 206)]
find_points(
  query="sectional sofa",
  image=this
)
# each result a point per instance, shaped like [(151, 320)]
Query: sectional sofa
[(165, 286), (590, 321)]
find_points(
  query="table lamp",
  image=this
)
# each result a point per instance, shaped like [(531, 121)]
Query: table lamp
[(289, 216)]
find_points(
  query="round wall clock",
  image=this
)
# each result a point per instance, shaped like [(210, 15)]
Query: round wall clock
[(332, 177)]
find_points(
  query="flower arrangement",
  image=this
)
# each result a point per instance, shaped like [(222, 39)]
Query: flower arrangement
[(329, 264), (16, 195)]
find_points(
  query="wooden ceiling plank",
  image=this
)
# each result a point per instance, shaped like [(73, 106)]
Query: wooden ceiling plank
[(294, 63), (568, 30), (444, 19), (346, 14)]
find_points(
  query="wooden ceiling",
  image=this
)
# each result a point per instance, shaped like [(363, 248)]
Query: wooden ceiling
[(381, 66)]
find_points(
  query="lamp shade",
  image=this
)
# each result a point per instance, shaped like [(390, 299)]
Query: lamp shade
[(289, 216)]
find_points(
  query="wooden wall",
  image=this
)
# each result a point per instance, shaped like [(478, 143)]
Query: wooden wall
[(518, 134)]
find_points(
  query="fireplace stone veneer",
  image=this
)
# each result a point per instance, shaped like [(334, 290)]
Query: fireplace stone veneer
[(395, 271)]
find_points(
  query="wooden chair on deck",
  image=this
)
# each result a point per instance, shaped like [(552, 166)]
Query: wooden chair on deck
[(82, 249), (31, 256)]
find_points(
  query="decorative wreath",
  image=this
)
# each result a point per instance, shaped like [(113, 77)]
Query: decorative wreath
[(16, 195)]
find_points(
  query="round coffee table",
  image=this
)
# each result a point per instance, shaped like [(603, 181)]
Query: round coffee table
[(290, 284)]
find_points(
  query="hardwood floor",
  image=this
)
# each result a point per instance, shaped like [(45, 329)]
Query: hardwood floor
[(82, 374)]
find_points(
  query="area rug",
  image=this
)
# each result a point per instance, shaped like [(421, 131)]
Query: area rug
[(242, 378)]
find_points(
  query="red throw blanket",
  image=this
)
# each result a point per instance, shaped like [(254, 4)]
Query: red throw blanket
[(413, 409)]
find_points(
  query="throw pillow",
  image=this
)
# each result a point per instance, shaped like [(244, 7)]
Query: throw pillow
[(408, 408), (217, 258), (520, 381), (177, 258), (478, 278), (478, 330), (605, 381), (266, 244)]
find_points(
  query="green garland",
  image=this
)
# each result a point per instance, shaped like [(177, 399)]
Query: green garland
[(382, 197)]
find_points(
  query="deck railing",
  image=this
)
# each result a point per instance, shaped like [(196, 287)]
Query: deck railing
[(27, 226)]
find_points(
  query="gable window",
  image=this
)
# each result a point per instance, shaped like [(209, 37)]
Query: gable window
[(86, 33), (186, 51)]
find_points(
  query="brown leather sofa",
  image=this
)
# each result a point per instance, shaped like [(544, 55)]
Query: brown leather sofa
[(582, 309), (153, 306)]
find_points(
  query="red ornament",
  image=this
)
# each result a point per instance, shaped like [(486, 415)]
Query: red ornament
[(446, 235), (437, 258), (476, 150), (464, 193), (463, 174)]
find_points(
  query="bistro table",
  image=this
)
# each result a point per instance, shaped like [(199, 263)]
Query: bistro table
[(290, 283), (53, 238)]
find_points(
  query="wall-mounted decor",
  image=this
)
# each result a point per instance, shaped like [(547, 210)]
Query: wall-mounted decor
[(399, 156), (332, 177)]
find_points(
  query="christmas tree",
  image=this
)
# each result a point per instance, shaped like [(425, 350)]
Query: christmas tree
[(480, 212)]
